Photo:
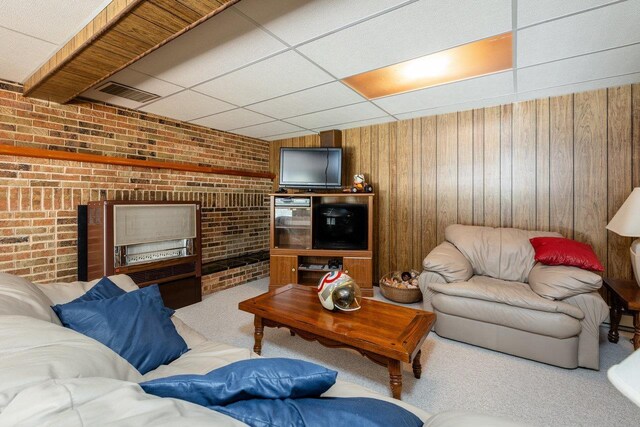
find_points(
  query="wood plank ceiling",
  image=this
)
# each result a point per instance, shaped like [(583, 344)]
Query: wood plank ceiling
[(122, 33)]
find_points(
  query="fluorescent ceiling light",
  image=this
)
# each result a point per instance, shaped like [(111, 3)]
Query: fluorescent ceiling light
[(479, 58)]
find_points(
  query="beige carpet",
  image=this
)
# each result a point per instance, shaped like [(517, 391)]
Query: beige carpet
[(455, 375)]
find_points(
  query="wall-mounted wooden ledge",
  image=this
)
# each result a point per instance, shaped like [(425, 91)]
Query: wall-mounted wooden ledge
[(10, 150)]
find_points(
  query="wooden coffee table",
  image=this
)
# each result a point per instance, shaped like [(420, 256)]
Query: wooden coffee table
[(384, 333)]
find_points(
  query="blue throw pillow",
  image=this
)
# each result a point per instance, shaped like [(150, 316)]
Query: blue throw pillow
[(135, 325), (320, 412), (276, 378), (105, 289)]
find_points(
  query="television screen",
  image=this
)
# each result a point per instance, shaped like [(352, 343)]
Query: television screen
[(310, 167)]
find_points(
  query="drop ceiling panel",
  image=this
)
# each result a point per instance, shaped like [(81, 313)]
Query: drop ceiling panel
[(187, 105), (268, 129), (296, 21), (625, 60), (464, 106), (55, 21), (580, 87), (136, 80), (408, 32), (350, 113), (357, 124), (21, 54), (233, 119), (454, 93), (289, 135), (535, 11), (588, 32), (222, 44), (281, 74), (324, 97)]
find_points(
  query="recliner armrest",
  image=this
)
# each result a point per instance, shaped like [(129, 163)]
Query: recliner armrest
[(447, 261)]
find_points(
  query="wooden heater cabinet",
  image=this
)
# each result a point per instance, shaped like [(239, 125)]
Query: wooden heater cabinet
[(151, 242)]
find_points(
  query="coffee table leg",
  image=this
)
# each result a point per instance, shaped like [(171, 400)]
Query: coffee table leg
[(417, 367), (258, 332), (395, 378), (636, 327), (614, 318)]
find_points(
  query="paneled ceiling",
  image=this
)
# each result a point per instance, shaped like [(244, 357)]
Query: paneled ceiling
[(271, 68)]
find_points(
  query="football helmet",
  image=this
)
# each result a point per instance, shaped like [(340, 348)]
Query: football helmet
[(337, 290)]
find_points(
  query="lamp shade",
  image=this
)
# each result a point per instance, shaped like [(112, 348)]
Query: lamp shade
[(626, 222)]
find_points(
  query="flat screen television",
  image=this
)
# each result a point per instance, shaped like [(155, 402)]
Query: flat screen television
[(310, 168)]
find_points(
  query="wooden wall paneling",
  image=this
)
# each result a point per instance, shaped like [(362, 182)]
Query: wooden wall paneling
[(506, 165), (393, 198), (635, 121), (383, 195), (447, 180), (561, 141), (478, 167), (365, 151), (404, 193), (374, 177), (492, 167), (619, 149), (350, 144), (542, 164), (590, 178), (524, 165), (415, 232), (429, 179), (465, 167)]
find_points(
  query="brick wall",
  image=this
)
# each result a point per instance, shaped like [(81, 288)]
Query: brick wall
[(38, 197)]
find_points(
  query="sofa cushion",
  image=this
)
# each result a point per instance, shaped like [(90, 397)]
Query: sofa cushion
[(144, 336), (448, 262), (502, 253), (511, 293), (18, 296), (33, 350), (61, 293), (560, 282), (550, 324)]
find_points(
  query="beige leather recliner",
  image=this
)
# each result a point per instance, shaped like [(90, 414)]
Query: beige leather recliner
[(486, 289)]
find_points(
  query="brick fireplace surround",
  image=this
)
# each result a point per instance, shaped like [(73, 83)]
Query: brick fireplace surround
[(38, 197)]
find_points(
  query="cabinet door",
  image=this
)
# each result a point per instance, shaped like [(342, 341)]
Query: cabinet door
[(360, 270), (283, 270)]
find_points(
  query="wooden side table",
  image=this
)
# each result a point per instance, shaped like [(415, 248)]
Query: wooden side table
[(625, 299)]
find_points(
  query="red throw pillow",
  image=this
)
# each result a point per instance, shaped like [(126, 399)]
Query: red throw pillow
[(561, 251)]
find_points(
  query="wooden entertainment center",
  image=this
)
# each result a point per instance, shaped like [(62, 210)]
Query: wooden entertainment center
[(311, 231)]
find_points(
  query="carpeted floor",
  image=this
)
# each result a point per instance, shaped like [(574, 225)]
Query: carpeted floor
[(455, 375)]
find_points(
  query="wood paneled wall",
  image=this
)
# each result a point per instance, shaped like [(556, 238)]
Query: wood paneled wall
[(565, 164)]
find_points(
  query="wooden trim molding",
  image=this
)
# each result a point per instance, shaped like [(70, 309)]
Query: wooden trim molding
[(10, 150), (121, 34)]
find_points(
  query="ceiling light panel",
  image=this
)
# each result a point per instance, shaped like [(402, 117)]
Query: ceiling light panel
[(222, 44), (233, 119), (453, 93), (268, 129), (535, 11), (599, 29), (296, 21), (411, 31), (479, 58), (20, 54), (350, 113), (324, 97), (279, 75), (187, 105)]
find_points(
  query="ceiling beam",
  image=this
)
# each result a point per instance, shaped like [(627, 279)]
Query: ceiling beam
[(121, 34)]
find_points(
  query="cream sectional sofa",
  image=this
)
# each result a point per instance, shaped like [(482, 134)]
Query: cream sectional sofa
[(51, 375), (485, 287)]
